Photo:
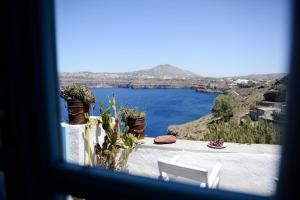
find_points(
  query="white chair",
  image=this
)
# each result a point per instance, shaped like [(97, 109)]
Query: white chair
[(169, 170)]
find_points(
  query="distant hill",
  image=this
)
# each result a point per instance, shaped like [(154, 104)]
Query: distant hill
[(161, 76), (164, 71)]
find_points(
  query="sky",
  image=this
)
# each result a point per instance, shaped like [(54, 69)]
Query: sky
[(209, 37)]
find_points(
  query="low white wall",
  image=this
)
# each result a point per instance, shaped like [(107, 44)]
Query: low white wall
[(245, 168), (75, 142)]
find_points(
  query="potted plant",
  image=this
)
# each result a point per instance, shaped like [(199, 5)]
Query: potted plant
[(114, 152), (78, 100), (135, 120)]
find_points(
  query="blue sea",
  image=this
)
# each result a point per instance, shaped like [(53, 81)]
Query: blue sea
[(163, 107)]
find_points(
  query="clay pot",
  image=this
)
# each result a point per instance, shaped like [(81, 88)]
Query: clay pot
[(76, 111), (136, 126)]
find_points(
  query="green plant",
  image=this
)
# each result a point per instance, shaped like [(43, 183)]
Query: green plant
[(248, 132), (77, 92), (130, 113), (226, 105), (117, 145)]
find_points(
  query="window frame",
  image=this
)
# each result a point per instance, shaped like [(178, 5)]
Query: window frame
[(32, 130)]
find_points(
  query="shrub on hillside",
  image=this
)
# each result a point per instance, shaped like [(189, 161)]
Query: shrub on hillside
[(226, 105), (248, 132)]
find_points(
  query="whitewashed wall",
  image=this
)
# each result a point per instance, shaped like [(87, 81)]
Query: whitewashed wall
[(75, 142)]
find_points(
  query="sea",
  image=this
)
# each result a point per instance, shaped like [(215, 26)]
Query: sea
[(163, 107)]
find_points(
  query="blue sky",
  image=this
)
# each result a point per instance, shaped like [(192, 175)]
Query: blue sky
[(208, 37)]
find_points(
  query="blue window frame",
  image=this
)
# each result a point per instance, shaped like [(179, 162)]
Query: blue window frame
[(31, 151)]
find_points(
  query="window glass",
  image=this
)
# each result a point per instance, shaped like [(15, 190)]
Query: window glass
[(177, 90)]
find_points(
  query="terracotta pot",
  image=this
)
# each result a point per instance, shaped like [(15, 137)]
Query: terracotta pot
[(76, 111), (136, 126)]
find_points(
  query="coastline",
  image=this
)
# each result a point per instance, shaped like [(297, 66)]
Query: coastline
[(193, 130), (162, 87)]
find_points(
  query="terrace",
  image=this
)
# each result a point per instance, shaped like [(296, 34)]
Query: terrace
[(245, 168)]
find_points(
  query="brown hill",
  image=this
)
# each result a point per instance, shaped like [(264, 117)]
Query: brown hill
[(164, 71)]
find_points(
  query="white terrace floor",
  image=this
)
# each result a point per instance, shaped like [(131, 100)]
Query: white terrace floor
[(245, 168)]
